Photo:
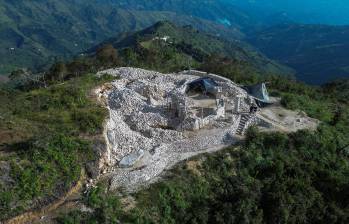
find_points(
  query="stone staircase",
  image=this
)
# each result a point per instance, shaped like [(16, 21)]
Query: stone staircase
[(242, 125)]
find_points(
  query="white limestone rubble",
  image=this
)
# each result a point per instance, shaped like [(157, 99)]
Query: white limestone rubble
[(152, 113)]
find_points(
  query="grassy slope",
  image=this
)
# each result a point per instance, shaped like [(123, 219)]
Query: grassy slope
[(41, 148), (272, 178)]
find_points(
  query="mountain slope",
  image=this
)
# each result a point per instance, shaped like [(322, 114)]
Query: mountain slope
[(164, 37), (215, 10), (33, 33), (319, 53)]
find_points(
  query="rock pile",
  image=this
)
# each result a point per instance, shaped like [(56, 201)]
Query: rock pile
[(141, 120)]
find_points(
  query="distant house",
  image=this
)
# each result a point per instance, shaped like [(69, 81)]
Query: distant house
[(260, 93)]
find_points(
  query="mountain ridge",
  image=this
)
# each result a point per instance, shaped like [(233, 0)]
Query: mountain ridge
[(194, 43), (34, 33)]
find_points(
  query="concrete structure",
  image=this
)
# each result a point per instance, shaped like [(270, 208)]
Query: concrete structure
[(260, 93)]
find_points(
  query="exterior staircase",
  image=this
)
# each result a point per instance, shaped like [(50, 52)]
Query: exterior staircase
[(242, 125)]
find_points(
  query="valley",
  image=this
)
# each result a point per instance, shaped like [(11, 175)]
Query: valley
[(318, 53), (36, 42)]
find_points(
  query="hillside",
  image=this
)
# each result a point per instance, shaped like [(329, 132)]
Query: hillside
[(55, 131), (338, 88), (33, 33), (54, 125), (165, 38), (318, 53), (158, 112), (219, 11)]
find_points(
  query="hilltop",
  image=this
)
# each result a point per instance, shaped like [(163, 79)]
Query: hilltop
[(179, 121), (54, 125), (186, 46), (58, 129)]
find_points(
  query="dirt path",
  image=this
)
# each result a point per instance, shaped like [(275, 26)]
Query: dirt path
[(35, 216)]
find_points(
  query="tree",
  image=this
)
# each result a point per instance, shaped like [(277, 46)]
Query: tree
[(17, 74), (24, 76), (130, 57), (77, 67), (58, 71), (107, 55)]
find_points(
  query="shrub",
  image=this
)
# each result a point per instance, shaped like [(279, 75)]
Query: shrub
[(106, 209), (89, 121)]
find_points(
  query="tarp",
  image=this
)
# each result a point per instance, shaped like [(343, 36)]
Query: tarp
[(131, 159), (205, 84), (259, 91)]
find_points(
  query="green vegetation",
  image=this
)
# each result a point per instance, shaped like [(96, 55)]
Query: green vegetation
[(186, 47), (42, 151), (272, 178), (300, 177), (37, 168), (338, 89), (31, 31), (106, 209), (47, 121)]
